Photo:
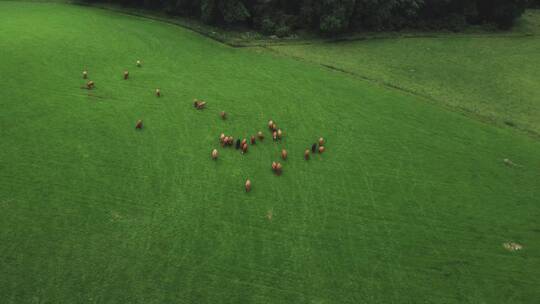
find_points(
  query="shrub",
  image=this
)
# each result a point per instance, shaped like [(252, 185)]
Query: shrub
[(268, 26), (283, 31)]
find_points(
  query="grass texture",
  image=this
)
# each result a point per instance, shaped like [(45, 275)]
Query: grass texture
[(493, 76), (411, 203)]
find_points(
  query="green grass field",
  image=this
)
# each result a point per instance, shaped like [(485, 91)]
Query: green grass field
[(411, 203), (494, 76)]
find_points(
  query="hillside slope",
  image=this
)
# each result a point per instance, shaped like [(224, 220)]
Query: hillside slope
[(493, 76), (410, 203)]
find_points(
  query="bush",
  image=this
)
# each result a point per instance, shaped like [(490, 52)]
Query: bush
[(233, 11), (336, 16), (268, 26), (283, 31), (208, 11)]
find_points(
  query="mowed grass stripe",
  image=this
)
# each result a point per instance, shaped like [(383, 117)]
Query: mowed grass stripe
[(410, 203)]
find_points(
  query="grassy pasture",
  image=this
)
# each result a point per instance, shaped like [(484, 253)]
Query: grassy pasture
[(494, 76), (410, 204)]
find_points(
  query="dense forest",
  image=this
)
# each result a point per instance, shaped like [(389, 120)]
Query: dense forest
[(330, 17)]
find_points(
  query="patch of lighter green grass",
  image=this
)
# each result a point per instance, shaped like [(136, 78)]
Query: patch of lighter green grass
[(494, 77)]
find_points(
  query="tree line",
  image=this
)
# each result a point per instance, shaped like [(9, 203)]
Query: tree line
[(331, 17)]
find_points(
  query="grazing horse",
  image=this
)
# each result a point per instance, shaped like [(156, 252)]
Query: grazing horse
[(199, 104), (279, 168), (284, 154)]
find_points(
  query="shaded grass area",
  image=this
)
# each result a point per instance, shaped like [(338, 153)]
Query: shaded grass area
[(410, 203), (493, 77)]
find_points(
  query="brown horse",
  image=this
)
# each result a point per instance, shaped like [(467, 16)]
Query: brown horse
[(199, 104), (279, 168)]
